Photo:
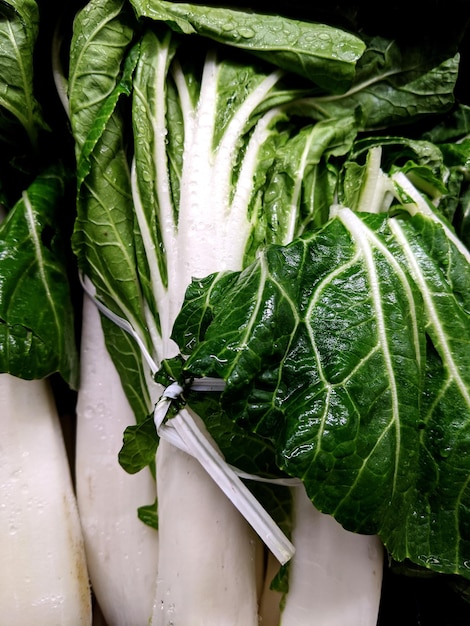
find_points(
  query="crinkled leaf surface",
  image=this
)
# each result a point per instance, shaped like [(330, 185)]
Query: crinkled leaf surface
[(348, 350), (37, 335), (322, 343), (441, 538), (393, 88), (189, 121)]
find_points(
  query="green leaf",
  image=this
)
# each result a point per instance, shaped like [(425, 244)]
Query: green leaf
[(349, 350), (321, 53), (400, 83), (102, 34), (298, 188), (103, 238), (37, 336), (441, 539), (139, 447), (148, 514), (393, 87), (453, 127), (250, 454), (314, 328), (104, 115), (19, 26), (127, 358), (396, 150)]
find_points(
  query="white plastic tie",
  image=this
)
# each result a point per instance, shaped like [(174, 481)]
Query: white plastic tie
[(119, 321)]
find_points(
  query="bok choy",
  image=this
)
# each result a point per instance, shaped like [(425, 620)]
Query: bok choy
[(44, 573), (210, 150), (44, 578)]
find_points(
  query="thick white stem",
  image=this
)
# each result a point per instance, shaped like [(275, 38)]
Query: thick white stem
[(43, 574), (121, 550), (335, 576), (207, 565)]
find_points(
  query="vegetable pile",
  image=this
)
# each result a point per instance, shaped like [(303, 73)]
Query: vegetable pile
[(238, 240)]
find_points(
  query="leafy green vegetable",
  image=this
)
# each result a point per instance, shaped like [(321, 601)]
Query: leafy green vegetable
[(392, 88), (134, 253), (200, 150), (37, 335), (102, 32), (139, 447)]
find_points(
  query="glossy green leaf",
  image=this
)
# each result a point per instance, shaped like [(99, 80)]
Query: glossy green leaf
[(19, 27), (103, 238), (393, 87), (37, 336), (349, 351), (101, 35), (324, 54), (148, 514)]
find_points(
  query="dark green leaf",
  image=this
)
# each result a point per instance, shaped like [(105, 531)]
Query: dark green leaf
[(101, 36), (349, 350), (392, 88), (37, 336), (19, 26)]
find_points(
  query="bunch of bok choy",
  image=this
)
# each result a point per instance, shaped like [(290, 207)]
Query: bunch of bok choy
[(235, 157)]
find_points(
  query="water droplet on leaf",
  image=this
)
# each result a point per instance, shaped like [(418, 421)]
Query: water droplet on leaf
[(246, 32)]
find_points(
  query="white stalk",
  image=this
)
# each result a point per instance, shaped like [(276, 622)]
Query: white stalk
[(187, 432), (207, 565), (207, 569), (43, 573), (376, 194), (121, 550), (335, 576)]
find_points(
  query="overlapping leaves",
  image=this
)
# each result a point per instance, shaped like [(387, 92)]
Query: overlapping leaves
[(324, 54)]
